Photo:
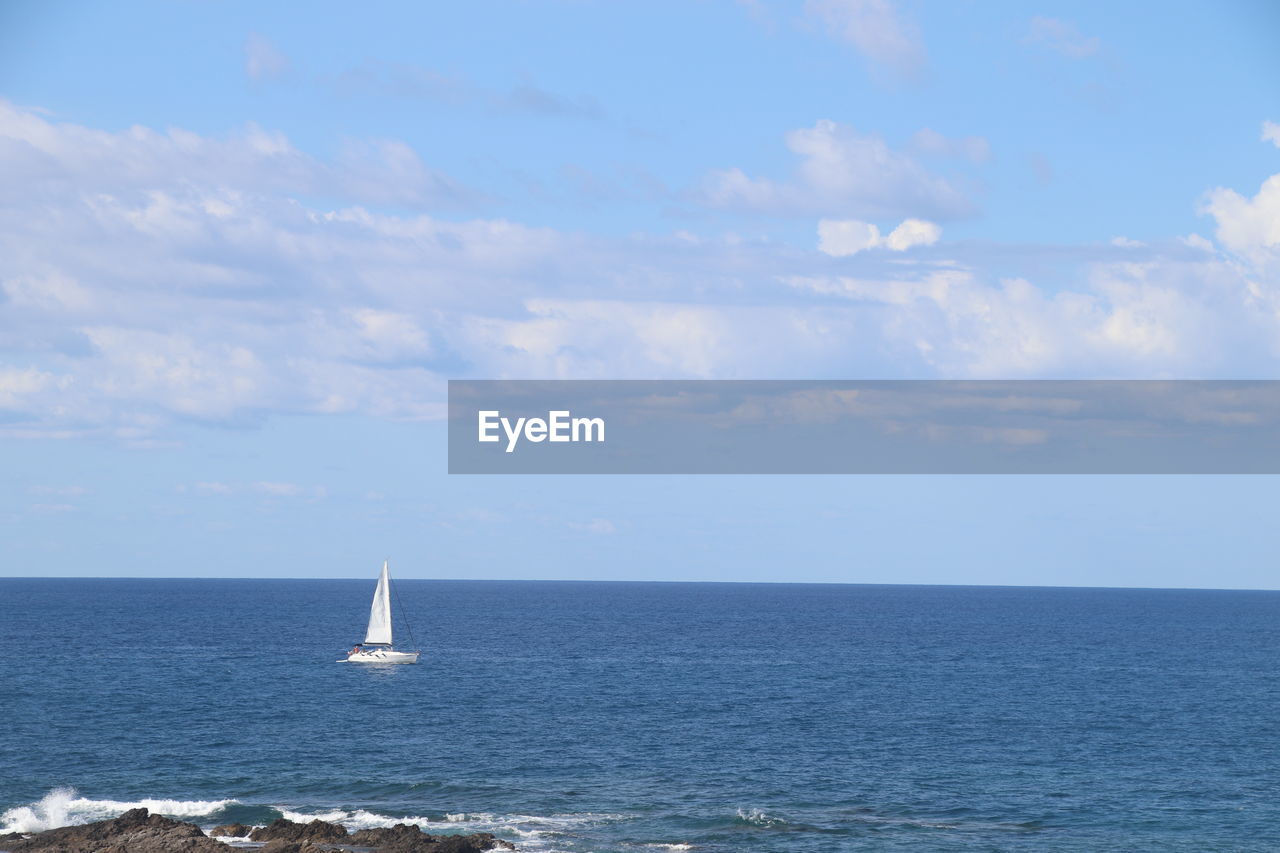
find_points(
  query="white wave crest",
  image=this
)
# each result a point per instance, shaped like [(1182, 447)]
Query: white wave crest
[(360, 819), (65, 807), (757, 817), (335, 816), (533, 831)]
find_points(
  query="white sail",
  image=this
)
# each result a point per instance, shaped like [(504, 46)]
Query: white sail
[(380, 613)]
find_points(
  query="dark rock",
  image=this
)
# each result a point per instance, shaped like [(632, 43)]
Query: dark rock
[(138, 831), (135, 831), (232, 830), (282, 846), (407, 838), (286, 830), (476, 842)]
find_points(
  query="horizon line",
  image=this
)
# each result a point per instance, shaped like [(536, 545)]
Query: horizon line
[(652, 581)]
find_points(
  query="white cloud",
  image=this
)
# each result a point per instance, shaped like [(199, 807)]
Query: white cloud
[(1271, 133), (203, 379), (48, 290), (388, 335), (1248, 226), (14, 382), (57, 159), (1062, 37), (876, 30), (840, 238), (262, 59), (1167, 317), (912, 232), (27, 388), (1195, 241), (602, 338), (841, 172)]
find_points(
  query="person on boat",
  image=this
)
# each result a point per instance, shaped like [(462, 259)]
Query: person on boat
[(354, 651)]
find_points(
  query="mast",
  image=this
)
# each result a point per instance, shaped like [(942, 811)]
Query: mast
[(379, 631)]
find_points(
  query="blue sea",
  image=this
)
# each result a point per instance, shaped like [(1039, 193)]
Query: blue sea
[(725, 718)]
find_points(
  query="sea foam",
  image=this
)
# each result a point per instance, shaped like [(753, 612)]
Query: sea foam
[(65, 807), (535, 833), (758, 817)]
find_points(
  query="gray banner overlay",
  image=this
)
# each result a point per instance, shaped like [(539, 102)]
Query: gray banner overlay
[(864, 427)]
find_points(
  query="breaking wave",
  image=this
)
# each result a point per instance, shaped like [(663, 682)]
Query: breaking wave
[(531, 832), (757, 817), (553, 833), (65, 807)]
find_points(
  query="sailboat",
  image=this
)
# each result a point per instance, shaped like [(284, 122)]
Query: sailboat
[(377, 647)]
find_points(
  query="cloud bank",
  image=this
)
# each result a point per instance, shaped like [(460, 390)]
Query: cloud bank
[(152, 277)]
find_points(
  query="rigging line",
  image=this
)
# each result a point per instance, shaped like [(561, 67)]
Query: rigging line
[(404, 616)]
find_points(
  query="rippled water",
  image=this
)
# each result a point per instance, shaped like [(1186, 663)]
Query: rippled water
[(621, 717)]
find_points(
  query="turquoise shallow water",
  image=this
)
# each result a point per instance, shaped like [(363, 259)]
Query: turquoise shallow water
[(625, 717)]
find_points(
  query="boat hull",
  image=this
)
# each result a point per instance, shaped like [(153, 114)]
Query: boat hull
[(381, 656)]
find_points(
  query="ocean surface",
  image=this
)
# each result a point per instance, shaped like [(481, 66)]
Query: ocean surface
[(630, 716)]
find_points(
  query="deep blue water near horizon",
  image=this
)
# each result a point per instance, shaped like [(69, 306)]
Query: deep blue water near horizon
[(578, 716)]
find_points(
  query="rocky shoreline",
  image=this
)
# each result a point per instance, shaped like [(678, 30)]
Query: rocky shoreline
[(139, 831)]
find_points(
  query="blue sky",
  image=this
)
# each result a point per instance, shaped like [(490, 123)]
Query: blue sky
[(242, 249)]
